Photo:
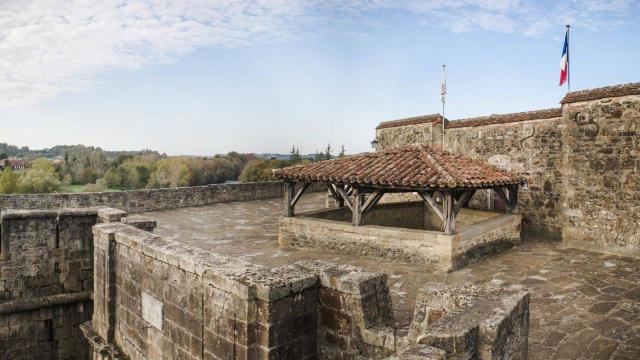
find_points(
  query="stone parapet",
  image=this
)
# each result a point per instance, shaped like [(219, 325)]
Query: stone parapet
[(157, 297), (469, 321), (146, 200)]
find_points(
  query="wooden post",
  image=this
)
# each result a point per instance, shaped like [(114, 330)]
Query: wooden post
[(513, 199), (358, 201), (289, 190), (448, 212), (504, 199)]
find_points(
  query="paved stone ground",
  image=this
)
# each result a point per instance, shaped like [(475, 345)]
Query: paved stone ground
[(584, 305)]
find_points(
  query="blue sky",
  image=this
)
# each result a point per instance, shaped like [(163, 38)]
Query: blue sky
[(258, 76)]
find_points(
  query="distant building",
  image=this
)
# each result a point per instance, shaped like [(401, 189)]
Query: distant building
[(13, 162), (58, 160)]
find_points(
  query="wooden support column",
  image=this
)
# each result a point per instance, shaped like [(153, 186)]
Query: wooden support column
[(289, 191), (448, 212), (504, 199), (358, 202), (513, 199)]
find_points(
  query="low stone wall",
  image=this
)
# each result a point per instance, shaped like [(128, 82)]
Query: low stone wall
[(409, 215), (146, 200), (473, 242)]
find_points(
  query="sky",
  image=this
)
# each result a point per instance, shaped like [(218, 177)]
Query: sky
[(196, 77)]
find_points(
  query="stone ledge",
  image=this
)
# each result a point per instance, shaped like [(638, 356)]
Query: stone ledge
[(140, 222), (100, 347), (420, 352), (26, 214), (48, 301)]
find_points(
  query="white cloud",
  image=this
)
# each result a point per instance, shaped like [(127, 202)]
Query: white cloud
[(52, 46)]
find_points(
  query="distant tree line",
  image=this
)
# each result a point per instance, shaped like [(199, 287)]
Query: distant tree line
[(96, 170), (262, 169)]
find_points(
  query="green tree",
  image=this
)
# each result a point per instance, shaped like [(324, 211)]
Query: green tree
[(294, 154), (37, 180), (342, 152), (8, 181), (327, 152)]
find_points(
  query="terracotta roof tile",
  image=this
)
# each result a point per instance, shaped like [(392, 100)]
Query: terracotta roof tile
[(603, 92), (424, 119), (506, 118), (413, 166)]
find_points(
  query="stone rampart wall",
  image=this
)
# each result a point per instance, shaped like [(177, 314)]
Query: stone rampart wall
[(146, 200), (156, 298), (583, 170), (46, 275), (601, 189), (531, 148)]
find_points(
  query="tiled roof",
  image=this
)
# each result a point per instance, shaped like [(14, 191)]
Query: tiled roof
[(506, 118), (413, 166), (425, 119), (603, 92)]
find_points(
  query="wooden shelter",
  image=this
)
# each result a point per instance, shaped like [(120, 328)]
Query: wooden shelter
[(359, 181)]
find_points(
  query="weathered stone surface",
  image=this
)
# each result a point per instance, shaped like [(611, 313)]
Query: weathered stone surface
[(420, 352), (470, 321), (141, 222)]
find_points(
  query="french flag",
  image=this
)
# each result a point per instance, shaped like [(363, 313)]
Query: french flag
[(564, 62)]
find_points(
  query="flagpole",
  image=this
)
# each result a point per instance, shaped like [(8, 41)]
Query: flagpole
[(568, 62), (442, 95)]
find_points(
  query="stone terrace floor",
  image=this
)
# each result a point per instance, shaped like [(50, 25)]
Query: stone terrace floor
[(584, 305)]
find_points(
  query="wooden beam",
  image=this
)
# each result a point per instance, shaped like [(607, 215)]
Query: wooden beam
[(335, 195), (299, 194), (469, 198), (429, 200), (462, 200), (503, 198), (358, 200), (372, 201), (449, 216), (347, 201), (289, 189)]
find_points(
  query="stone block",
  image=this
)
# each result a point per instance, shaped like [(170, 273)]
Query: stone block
[(420, 352)]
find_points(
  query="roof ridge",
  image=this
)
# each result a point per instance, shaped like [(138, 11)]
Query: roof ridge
[(435, 162)]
